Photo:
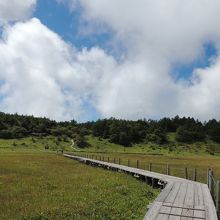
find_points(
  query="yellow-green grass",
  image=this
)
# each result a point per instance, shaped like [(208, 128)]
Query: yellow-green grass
[(36, 143), (39, 186), (177, 163), (172, 148)]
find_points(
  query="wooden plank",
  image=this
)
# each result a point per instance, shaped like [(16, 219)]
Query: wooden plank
[(153, 211), (164, 213), (165, 192), (179, 202), (209, 205), (188, 202), (184, 216), (199, 202), (173, 192)]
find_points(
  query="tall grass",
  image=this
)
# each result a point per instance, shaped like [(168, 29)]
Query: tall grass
[(177, 163)]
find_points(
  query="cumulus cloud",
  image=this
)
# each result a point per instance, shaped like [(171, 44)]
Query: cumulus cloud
[(202, 98), (157, 35), (173, 30), (42, 75), (15, 10)]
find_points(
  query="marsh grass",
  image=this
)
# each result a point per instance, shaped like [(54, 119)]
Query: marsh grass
[(39, 186), (159, 163)]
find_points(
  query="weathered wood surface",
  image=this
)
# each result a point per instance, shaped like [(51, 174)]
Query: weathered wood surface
[(180, 199)]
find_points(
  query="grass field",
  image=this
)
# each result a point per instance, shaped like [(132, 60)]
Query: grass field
[(177, 155), (172, 148), (159, 163), (36, 143), (38, 186), (104, 146)]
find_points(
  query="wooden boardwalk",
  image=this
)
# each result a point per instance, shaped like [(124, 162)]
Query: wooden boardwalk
[(180, 199)]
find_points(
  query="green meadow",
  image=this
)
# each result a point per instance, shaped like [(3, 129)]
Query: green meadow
[(37, 185), (177, 156)]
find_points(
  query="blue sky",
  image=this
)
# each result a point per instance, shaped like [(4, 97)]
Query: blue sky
[(59, 18), (185, 71), (97, 60)]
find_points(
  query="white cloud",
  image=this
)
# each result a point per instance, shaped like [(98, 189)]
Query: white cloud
[(44, 76), (173, 30), (157, 35), (202, 98), (15, 10)]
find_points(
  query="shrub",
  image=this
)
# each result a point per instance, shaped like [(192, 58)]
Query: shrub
[(46, 147)]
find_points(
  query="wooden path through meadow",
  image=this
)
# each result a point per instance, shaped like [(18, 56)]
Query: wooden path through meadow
[(180, 199)]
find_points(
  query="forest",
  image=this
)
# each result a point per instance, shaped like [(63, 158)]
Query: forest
[(123, 132)]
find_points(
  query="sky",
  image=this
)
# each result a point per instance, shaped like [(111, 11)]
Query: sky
[(84, 60)]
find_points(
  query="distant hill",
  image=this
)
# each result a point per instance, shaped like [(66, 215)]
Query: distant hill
[(175, 131)]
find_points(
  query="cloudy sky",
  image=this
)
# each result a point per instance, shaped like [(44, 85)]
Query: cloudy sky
[(89, 59)]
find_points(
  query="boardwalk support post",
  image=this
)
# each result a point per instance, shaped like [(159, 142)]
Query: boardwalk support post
[(150, 167), (210, 181), (137, 163), (154, 183), (218, 198), (168, 169), (195, 174), (186, 173)]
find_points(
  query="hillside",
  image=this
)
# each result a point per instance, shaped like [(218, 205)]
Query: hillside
[(175, 135)]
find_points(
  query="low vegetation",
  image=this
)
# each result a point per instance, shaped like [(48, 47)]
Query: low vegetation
[(48, 143), (41, 186), (159, 162), (37, 183)]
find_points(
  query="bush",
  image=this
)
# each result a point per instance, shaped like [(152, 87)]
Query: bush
[(65, 138), (14, 132), (46, 147), (33, 140), (215, 134), (183, 135), (190, 135), (80, 141), (210, 150), (158, 136)]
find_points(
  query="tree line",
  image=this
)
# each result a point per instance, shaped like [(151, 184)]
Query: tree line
[(14, 126), (123, 132)]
